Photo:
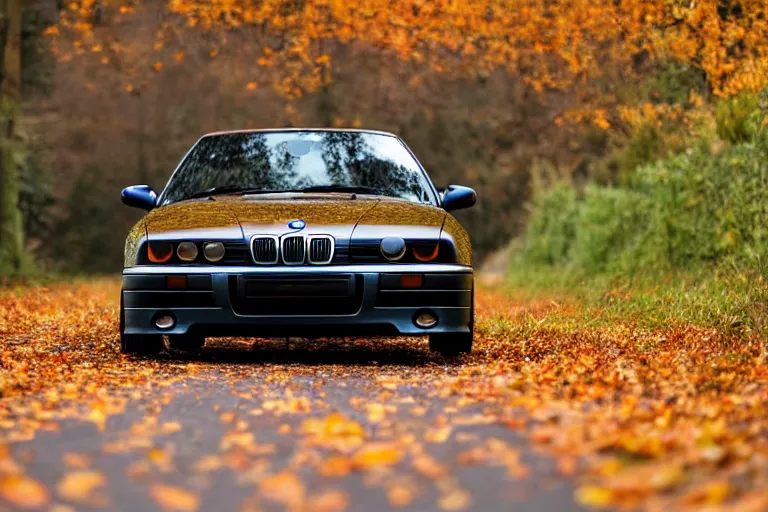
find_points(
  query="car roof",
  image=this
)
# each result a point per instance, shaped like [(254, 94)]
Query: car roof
[(288, 130)]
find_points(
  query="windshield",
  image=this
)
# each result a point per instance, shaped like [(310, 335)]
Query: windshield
[(296, 160)]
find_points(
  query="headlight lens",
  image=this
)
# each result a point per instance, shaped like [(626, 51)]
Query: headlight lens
[(392, 248), (159, 252), (213, 251), (187, 251)]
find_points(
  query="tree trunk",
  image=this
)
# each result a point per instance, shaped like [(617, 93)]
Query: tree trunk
[(11, 240)]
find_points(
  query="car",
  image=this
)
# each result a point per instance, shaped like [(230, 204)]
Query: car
[(311, 233)]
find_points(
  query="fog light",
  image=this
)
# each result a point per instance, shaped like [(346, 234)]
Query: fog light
[(165, 322), (426, 320)]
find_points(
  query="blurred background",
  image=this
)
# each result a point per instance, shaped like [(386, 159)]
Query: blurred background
[(600, 136)]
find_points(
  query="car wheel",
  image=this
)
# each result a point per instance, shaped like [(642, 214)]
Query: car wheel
[(146, 344), (451, 344), (186, 342), (455, 343)]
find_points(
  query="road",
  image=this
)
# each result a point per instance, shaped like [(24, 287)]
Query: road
[(251, 424)]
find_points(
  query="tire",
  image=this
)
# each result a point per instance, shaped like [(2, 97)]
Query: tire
[(186, 342), (144, 344), (452, 343), (455, 343)]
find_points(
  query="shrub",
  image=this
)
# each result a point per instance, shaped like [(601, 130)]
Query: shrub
[(681, 212), (551, 227), (733, 116)]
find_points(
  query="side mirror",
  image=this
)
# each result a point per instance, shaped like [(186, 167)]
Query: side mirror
[(139, 196), (457, 197)]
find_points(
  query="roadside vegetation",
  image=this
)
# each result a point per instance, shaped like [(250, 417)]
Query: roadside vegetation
[(674, 239)]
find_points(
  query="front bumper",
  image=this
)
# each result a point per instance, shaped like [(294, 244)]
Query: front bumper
[(297, 301)]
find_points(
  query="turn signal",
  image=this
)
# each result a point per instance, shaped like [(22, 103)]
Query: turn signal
[(411, 280), (159, 252), (426, 254)]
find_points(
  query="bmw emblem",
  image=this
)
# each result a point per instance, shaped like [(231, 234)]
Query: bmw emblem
[(297, 224)]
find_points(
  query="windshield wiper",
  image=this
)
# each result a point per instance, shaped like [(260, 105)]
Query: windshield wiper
[(340, 188), (317, 188), (227, 190)]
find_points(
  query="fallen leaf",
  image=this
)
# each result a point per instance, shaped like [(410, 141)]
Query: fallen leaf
[(174, 499), (22, 491), (284, 487), (594, 496), (454, 499), (328, 501), (80, 487), (377, 454), (399, 496)]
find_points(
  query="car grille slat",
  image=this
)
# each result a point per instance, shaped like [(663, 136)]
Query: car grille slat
[(320, 250), (293, 249), (264, 250)]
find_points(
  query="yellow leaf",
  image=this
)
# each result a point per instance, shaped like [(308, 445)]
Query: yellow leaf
[(328, 501), (170, 427), (236, 440), (438, 435), (76, 460), (157, 66), (252, 86), (285, 488), (79, 486), (377, 454), (399, 496), (335, 466), (22, 491), (173, 498), (455, 499), (717, 492), (594, 496)]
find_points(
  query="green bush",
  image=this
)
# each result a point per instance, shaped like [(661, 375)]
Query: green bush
[(680, 212), (733, 118), (552, 226)]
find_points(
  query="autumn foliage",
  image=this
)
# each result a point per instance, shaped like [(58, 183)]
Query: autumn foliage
[(550, 45), (665, 418)]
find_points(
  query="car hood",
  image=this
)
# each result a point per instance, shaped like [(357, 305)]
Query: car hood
[(239, 218)]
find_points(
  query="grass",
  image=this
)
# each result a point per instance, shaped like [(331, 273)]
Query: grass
[(734, 302)]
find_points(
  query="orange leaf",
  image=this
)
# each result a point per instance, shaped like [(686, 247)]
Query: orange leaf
[(377, 454), (173, 498), (22, 491)]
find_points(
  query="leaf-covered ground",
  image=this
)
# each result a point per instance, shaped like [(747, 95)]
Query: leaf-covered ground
[(549, 412)]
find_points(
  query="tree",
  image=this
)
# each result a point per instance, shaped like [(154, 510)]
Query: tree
[(11, 240)]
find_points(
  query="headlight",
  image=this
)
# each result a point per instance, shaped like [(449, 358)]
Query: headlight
[(213, 251), (392, 248), (187, 251), (159, 252)]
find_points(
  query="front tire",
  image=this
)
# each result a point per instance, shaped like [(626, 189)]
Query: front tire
[(451, 343), (455, 343), (144, 344), (186, 342)]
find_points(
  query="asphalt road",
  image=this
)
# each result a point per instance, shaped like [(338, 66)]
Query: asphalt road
[(272, 425)]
